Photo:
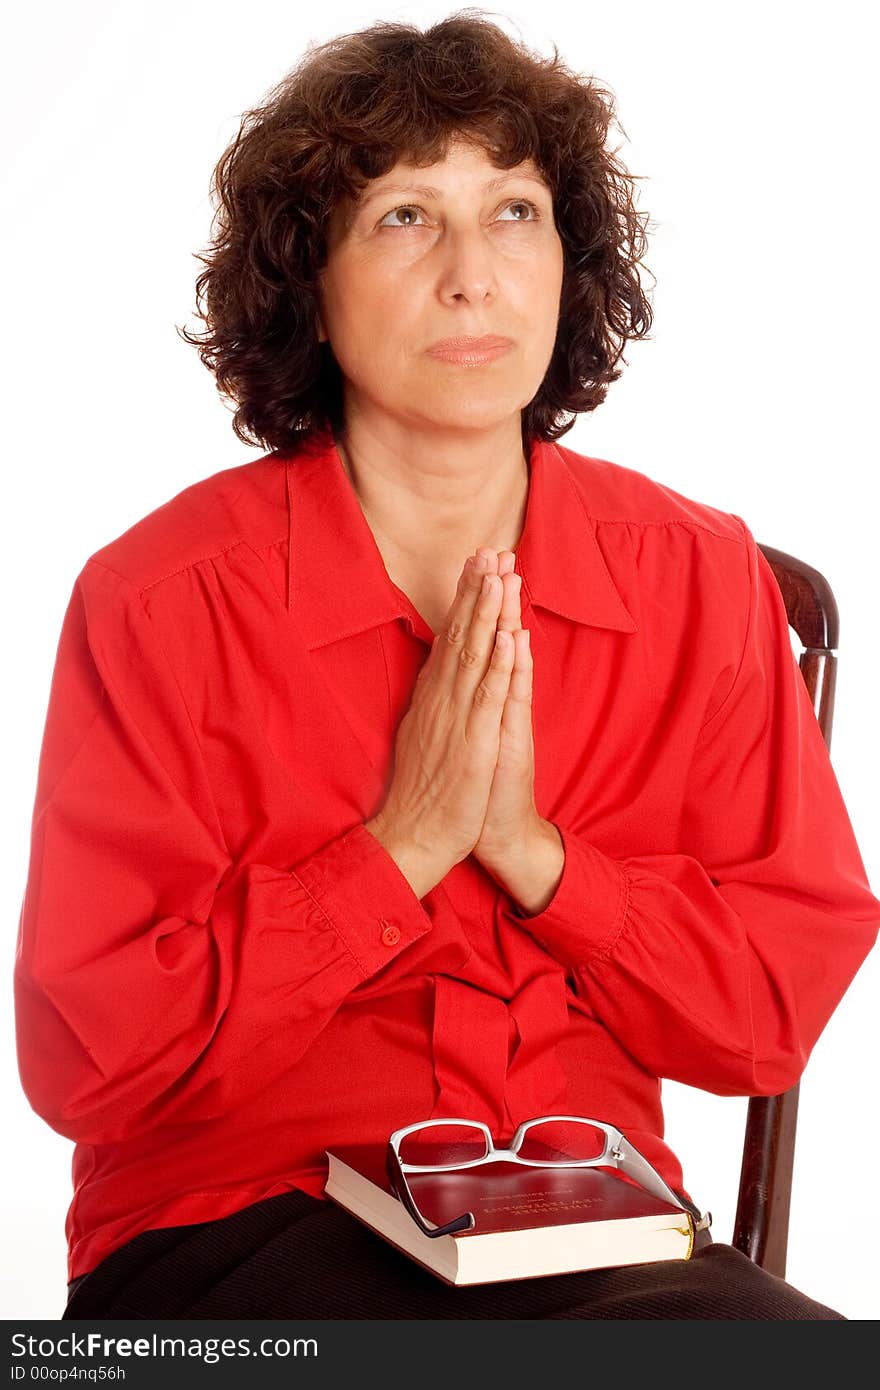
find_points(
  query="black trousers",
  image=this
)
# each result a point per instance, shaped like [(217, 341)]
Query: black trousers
[(296, 1256)]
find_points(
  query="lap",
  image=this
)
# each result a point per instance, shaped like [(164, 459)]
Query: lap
[(295, 1256)]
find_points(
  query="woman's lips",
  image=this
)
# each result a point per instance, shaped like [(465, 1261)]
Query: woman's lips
[(473, 356)]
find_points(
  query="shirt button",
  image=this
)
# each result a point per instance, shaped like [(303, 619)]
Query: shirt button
[(390, 935)]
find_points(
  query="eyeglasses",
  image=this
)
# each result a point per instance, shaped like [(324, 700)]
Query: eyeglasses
[(569, 1141)]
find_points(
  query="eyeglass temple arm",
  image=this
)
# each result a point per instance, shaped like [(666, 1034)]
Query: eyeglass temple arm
[(400, 1186), (647, 1175)]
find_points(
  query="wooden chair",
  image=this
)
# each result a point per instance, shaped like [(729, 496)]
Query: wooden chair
[(762, 1210)]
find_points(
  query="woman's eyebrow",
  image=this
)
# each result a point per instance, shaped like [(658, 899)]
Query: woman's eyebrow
[(426, 191)]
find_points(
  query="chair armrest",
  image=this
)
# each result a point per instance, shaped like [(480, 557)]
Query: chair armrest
[(762, 1210)]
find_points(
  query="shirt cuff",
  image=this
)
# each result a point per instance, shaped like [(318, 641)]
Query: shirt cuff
[(365, 897), (586, 913)]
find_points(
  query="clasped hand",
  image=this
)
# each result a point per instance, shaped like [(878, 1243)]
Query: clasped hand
[(512, 820), (464, 767)]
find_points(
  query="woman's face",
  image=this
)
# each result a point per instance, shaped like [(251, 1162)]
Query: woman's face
[(408, 267)]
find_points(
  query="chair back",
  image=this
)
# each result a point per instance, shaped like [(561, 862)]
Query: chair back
[(764, 1200)]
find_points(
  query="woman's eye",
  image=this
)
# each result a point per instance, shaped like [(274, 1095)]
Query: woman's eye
[(407, 207), (411, 208), (523, 203)]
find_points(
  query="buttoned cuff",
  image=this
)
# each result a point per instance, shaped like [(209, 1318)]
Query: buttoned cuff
[(365, 897), (587, 912)]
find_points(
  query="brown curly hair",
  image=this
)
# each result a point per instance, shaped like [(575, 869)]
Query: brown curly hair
[(346, 114)]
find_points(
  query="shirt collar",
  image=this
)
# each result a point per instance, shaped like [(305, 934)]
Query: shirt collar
[(337, 581)]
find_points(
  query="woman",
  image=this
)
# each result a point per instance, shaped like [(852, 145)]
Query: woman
[(321, 847)]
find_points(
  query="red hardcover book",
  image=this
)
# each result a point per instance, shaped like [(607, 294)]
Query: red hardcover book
[(529, 1221)]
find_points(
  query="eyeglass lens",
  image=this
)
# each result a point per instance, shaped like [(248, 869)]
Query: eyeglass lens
[(561, 1141), (442, 1144)]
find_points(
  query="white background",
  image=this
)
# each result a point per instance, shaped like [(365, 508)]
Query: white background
[(754, 126)]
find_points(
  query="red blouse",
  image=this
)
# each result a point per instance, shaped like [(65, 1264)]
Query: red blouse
[(221, 971)]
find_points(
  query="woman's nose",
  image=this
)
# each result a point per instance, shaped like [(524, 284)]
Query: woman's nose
[(468, 263)]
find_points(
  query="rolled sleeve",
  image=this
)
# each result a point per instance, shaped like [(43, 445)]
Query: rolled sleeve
[(368, 901), (587, 912)]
